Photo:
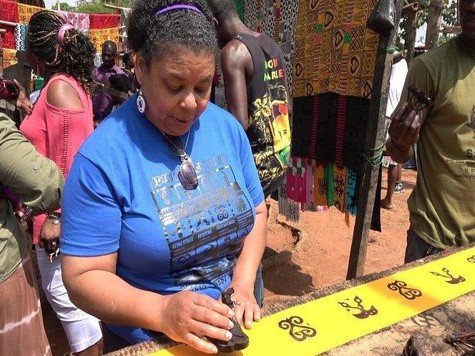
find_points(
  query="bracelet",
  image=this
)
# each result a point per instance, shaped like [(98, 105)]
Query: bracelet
[(55, 218)]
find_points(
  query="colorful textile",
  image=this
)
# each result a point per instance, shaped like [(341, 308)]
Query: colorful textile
[(330, 128), (278, 20), (320, 185), (9, 11), (8, 37), (296, 185), (9, 57), (78, 20), (240, 8), (334, 50), (306, 329), (20, 36), (340, 175), (101, 21), (98, 36), (351, 184), (26, 11)]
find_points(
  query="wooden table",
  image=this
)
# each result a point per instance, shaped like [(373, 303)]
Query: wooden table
[(430, 327)]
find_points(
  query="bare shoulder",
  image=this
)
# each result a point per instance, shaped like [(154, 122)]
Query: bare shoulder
[(63, 95), (235, 53)]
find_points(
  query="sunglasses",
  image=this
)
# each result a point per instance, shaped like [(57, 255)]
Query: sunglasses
[(187, 174)]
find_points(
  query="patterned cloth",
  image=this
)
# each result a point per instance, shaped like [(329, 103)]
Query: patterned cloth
[(102, 21), (9, 11), (20, 36), (8, 37), (26, 11), (78, 20), (98, 36), (9, 57), (334, 51)]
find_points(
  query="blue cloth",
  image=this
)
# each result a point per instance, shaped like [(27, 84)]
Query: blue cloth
[(123, 195)]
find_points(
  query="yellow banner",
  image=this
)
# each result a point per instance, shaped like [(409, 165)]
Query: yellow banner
[(331, 321)]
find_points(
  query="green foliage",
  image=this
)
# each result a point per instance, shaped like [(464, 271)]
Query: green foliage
[(449, 15), (96, 7), (64, 6)]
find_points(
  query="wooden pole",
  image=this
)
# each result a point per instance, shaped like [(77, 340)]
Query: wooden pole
[(375, 136)]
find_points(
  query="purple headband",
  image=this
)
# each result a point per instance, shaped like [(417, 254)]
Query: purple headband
[(61, 32), (177, 7)]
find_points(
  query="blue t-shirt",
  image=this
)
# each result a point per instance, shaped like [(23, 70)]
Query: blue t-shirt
[(123, 195)]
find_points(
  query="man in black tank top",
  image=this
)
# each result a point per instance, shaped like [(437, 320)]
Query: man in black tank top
[(256, 91)]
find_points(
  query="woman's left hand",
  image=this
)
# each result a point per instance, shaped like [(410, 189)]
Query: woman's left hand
[(246, 309)]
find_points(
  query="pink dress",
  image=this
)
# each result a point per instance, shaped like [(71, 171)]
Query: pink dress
[(58, 133)]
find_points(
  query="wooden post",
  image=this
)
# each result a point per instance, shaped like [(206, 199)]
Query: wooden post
[(375, 136)]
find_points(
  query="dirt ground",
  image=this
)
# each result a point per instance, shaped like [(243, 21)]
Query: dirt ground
[(296, 263)]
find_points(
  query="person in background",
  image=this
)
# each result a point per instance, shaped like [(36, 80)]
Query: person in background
[(106, 98), (129, 69), (441, 208), (256, 91), (36, 181), (59, 123), (174, 178), (396, 85)]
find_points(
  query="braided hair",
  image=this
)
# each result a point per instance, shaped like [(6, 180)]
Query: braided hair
[(74, 56), (156, 35)]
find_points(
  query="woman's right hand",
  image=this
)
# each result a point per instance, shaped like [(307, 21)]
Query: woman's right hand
[(186, 316)]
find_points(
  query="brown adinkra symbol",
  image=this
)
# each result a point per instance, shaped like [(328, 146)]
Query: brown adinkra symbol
[(404, 290), (363, 313), (452, 279), (298, 331), (471, 259)]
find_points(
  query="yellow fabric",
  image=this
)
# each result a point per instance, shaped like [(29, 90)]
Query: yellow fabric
[(9, 57), (331, 321), (99, 36), (334, 50), (26, 11)]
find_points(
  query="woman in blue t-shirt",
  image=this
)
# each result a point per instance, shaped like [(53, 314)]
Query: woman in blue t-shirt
[(163, 211)]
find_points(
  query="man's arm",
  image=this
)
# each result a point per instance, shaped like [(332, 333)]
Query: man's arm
[(235, 60), (36, 180)]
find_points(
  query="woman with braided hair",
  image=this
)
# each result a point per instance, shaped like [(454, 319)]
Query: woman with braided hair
[(59, 123)]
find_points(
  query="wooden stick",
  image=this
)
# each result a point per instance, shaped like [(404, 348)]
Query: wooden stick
[(375, 136)]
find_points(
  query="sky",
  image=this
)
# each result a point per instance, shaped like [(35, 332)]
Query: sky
[(49, 3)]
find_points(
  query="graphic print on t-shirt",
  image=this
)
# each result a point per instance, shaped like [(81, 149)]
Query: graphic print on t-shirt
[(205, 227)]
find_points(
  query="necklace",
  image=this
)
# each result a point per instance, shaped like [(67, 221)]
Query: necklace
[(172, 142)]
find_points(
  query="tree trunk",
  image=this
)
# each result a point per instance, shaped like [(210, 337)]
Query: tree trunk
[(409, 13), (433, 23)]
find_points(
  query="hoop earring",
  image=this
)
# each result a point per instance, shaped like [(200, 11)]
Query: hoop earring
[(141, 104)]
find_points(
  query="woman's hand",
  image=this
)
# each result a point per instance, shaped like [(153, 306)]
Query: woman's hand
[(246, 309), (186, 316), (50, 232), (23, 102)]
